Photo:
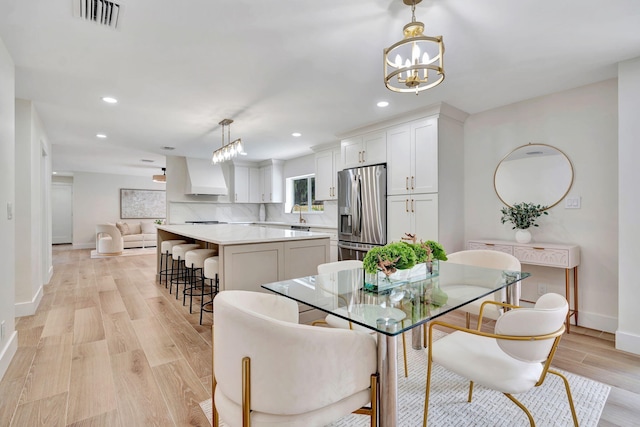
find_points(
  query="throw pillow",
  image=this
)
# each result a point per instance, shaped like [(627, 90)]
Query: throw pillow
[(134, 228), (123, 227), (148, 228)]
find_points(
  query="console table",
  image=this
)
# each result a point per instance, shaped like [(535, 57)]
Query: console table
[(545, 255)]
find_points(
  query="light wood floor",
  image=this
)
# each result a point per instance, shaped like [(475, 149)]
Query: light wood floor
[(108, 346)]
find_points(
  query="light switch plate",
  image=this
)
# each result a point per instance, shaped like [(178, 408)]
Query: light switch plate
[(572, 202)]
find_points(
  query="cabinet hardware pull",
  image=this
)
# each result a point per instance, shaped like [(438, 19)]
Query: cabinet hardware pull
[(538, 249), (359, 156), (236, 197), (489, 244), (406, 205), (363, 156), (413, 182), (270, 196), (263, 197), (412, 205), (406, 183)]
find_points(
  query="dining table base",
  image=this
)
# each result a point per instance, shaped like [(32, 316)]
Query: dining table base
[(388, 381)]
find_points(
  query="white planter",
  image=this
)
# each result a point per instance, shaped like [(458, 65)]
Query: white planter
[(523, 236)]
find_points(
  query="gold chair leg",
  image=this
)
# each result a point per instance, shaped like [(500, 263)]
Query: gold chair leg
[(404, 355), (428, 390), (569, 397), (470, 391), (374, 400), (246, 392), (468, 317), (521, 406), (424, 335)]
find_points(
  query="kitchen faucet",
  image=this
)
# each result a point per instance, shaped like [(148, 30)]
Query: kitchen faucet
[(293, 209)]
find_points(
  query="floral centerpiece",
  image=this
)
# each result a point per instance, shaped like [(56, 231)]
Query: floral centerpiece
[(401, 262), (522, 216)]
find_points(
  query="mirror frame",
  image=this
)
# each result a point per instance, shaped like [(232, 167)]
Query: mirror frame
[(532, 144)]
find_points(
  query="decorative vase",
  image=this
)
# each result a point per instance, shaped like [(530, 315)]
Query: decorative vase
[(420, 272), (523, 236)]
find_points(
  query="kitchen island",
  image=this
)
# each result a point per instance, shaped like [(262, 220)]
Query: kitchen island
[(251, 256)]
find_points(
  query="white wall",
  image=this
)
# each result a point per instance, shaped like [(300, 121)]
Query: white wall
[(9, 343), (583, 123), (628, 333), (32, 209), (96, 200)]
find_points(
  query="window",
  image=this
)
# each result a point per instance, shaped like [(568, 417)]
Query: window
[(301, 192)]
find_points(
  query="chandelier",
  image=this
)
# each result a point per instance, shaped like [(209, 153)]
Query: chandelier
[(415, 63), (231, 149)]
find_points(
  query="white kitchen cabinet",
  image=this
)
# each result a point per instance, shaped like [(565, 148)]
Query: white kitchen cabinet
[(412, 157), (255, 185), (240, 184), (362, 150), (272, 182), (328, 163), (247, 184), (416, 214)]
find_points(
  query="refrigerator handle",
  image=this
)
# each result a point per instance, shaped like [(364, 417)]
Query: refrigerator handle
[(355, 205), (359, 206)]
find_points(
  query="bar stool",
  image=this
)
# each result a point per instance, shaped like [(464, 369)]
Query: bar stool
[(194, 263), (210, 273), (166, 249), (178, 254)]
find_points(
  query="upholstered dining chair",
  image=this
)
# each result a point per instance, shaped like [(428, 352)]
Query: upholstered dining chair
[(269, 370), (513, 359), (338, 322), (488, 259)]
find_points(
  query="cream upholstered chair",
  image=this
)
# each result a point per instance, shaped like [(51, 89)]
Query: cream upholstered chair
[(338, 322), (268, 370), (513, 359), (488, 259), (108, 240)]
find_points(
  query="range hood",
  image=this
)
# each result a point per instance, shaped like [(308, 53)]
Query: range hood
[(205, 178)]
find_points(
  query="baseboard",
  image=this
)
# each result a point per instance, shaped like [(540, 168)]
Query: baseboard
[(28, 308), (628, 342), (84, 246), (597, 322), (7, 353)]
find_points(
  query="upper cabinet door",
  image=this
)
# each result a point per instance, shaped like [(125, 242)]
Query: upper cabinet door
[(368, 149), (399, 160), (240, 184), (255, 185), (326, 175), (352, 152), (424, 173)]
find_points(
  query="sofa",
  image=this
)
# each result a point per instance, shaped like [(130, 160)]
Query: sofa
[(111, 239)]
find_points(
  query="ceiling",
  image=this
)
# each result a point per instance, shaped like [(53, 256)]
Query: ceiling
[(282, 66)]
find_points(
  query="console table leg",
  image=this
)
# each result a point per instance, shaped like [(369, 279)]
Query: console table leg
[(575, 292), (566, 284)]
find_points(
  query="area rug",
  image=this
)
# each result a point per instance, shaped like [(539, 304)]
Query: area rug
[(449, 407), (126, 252)]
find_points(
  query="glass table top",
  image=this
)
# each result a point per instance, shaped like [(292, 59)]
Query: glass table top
[(400, 307)]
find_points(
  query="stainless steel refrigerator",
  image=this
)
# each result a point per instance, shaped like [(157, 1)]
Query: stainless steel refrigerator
[(362, 210)]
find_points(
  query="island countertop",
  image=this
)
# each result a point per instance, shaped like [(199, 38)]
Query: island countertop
[(236, 234)]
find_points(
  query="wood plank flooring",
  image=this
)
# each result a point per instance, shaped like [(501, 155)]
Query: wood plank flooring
[(109, 346)]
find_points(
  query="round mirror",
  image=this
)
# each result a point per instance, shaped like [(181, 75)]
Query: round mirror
[(533, 173)]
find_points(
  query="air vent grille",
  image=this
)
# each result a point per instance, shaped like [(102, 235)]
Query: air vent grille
[(102, 12)]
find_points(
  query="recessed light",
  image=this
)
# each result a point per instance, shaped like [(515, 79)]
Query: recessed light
[(101, 135), (296, 134), (168, 148), (109, 100), (382, 104), (147, 160)]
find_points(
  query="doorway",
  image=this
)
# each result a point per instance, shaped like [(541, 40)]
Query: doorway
[(62, 213)]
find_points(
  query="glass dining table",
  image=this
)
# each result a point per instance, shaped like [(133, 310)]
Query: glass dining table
[(401, 307)]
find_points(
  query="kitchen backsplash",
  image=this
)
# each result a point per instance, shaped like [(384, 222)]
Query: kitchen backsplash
[(180, 212)]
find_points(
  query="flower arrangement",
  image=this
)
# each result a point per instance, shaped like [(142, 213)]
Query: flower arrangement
[(522, 215)]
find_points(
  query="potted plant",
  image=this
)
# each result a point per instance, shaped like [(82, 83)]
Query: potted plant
[(522, 216)]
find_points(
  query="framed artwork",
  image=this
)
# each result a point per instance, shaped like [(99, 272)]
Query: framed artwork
[(149, 204)]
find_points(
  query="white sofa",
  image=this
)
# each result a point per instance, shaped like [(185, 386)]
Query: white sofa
[(111, 239)]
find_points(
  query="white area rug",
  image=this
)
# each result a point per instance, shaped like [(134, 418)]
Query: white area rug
[(126, 252), (448, 404)]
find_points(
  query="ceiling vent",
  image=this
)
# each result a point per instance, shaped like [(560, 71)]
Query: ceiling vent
[(102, 12)]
